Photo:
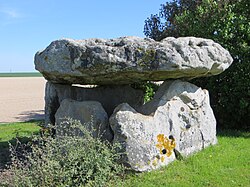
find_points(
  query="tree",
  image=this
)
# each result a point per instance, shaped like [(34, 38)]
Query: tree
[(228, 23)]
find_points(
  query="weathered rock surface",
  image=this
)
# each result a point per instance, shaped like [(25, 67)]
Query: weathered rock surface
[(109, 96), (130, 59), (90, 113), (179, 109)]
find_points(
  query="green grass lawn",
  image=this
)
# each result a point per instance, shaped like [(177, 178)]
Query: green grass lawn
[(225, 164), (13, 130), (24, 74)]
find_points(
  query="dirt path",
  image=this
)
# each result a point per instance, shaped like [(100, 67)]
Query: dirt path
[(21, 99)]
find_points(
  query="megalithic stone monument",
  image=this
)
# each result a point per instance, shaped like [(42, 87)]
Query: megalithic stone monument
[(179, 119)]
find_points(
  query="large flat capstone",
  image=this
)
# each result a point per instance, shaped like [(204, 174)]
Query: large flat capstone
[(127, 60)]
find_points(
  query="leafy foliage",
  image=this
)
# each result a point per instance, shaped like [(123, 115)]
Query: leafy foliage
[(149, 88), (228, 23), (161, 25), (69, 159)]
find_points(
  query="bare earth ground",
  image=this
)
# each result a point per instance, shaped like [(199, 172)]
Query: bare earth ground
[(21, 99)]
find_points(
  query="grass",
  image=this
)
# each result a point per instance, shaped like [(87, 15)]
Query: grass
[(24, 74), (225, 164), (13, 130), (9, 132)]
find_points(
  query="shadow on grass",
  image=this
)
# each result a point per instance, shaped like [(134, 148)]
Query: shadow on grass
[(5, 155), (233, 133), (31, 115)]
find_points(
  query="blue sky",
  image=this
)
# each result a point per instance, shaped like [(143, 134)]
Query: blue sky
[(27, 26)]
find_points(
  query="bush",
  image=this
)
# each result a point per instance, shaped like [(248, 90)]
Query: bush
[(230, 96), (69, 159), (228, 23)]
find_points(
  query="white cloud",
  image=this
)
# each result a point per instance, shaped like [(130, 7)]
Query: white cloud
[(10, 16), (11, 13)]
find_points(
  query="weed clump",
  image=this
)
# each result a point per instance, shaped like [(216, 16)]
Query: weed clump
[(67, 159)]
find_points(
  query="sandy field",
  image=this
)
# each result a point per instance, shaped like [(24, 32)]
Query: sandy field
[(21, 99)]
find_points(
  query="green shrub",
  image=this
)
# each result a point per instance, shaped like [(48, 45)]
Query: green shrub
[(228, 23), (230, 96), (69, 159), (149, 88)]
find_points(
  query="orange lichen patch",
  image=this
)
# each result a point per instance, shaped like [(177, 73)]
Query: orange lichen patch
[(162, 158), (160, 137), (165, 145)]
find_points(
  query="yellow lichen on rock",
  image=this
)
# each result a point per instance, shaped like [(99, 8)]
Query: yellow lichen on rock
[(165, 145)]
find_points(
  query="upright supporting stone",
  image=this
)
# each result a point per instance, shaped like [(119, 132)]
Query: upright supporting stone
[(108, 96), (91, 115), (179, 111)]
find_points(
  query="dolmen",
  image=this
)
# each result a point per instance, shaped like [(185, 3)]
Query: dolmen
[(177, 122)]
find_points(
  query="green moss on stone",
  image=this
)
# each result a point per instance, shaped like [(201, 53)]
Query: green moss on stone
[(148, 56)]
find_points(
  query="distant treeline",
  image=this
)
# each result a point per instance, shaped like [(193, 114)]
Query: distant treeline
[(24, 74)]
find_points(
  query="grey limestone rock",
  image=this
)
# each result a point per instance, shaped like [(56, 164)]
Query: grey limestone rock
[(178, 121), (90, 113), (179, 110), (127, 60), (109, 96)]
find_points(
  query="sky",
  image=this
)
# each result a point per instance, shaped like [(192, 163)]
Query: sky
[(27, 26)]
